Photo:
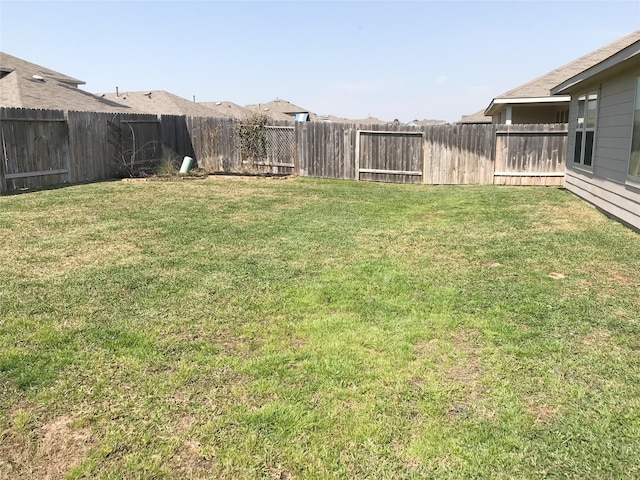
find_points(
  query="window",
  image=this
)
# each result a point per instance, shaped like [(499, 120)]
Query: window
[(562, 116), (634, 161), (586, 129)]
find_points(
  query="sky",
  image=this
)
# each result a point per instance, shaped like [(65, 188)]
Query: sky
[(400, 60)]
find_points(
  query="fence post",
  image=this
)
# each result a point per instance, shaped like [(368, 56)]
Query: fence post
[(357, 162), (296, 161), (424, 155), (3, 180), (69, 162)]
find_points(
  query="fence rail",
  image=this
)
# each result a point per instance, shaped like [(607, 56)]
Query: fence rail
[(49, 147)]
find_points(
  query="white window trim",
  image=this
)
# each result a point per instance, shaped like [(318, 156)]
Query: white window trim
[(633, 181), (579, 165)]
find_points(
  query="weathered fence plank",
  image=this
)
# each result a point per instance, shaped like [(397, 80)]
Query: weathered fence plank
[(35, 148), (390, 155), (176, 140), (530, 154), (88, 133)]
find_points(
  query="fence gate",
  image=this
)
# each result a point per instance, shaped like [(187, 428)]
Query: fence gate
[(530, 154), (390, 156), (35, 151)]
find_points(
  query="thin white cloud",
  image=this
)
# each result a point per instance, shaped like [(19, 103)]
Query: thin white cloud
[(441, 80)]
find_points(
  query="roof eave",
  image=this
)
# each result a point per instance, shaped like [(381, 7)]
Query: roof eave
[(626, 54), (497, 103)]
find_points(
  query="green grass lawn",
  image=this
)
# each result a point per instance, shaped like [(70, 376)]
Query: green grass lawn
[(299, 328)]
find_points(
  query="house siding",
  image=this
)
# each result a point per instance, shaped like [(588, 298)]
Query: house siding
[(530, 114), (605, 184), (535, 114)]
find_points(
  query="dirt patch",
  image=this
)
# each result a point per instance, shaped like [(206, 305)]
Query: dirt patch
[(599, 339), (466, 372), (63, 446), (427, 349), (567, 218), (459, 367), (190, 461), (134, 180), (557, 275), (49, 451), (184, 423), (625, 279), (277, 472), (542, 413), (299, 342)]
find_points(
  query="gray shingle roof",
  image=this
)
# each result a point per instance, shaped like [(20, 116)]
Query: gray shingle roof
[(159, 102), (541, 86), (228, 110), (27, 85), (478, 117), (279, 110), (628, 57)]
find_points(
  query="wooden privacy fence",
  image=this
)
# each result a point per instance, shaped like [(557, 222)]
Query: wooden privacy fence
[(376, 148), (435, 155), (50, 147), (35, 149), (530, 154), (47, 147)]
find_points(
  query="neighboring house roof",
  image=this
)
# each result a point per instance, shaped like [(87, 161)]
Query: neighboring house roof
[(370, 121), (228, 110), (27, 85), (333, 119), (478, 117), (539, 89), (624, 58), (279, 110), (424, 123), (362, 121), (159, 102)]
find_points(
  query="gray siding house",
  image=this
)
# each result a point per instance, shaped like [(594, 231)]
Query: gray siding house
[(603, 158)]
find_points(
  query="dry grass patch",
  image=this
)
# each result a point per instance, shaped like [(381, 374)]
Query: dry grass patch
[(542, 413), (457, 364), (600, 340), (467, 371), (191, 461), (49, 451), (559, 218)]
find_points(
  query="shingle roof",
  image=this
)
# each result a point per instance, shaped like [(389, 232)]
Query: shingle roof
[(279, 110), (159, 102), (27, 85), (425, 122), (626, 58), (369, 121), (228, 110), (541, 86), (478, 117), (361, 121)]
